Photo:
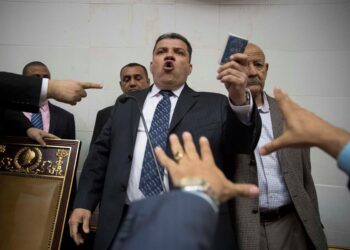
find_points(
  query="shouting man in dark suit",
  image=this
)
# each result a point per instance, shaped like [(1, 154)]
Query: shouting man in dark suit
[(119, 168), (286, 215), (133, 77)]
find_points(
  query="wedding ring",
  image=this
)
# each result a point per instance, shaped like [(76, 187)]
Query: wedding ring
[(178, 156)]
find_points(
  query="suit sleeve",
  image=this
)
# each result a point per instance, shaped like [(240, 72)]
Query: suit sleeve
[(240, 138), (98, 127), (19, 92), (15, 123), (94, 170), (71, 127), (175, 220)]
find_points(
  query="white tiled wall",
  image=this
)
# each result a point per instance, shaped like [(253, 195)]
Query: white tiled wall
[(307, 43)]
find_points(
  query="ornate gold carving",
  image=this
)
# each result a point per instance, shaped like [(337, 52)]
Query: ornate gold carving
[(6, 163), (2, 148), (56, 169), (28, 160)]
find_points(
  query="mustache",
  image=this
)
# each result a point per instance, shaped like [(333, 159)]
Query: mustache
[(254, 80)]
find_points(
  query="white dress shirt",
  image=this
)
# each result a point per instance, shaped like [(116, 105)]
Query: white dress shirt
[(149, 107), (273, 189)]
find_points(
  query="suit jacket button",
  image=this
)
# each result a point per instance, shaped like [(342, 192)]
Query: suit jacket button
[(130, 157), (123, 188), (255, 211), (252, 162)]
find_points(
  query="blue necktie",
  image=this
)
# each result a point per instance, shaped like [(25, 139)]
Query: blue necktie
[(37, 120), (150, 183)]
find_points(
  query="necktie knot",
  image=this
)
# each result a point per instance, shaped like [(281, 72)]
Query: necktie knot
[(166, 93)]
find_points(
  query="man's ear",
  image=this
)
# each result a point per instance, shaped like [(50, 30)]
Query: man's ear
[(151, 67), (190, 71)]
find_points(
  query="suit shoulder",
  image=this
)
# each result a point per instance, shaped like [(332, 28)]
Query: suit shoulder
[(212, 95), (54, 108), (209, 97), (106, 110)]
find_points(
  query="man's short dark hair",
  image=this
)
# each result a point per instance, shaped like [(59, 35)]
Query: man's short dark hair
[(133, 65), (175, 36), (34, 63)]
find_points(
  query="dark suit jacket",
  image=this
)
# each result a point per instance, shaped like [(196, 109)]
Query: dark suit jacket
[(173, 221), (296, 170), (61, 123), (106, 170), (101, 119), (18, 93)]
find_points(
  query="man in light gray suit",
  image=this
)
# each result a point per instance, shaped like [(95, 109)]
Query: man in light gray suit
[(286, 215)]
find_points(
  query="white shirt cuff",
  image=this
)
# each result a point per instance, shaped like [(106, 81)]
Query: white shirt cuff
[(244, 112), (43, 93)]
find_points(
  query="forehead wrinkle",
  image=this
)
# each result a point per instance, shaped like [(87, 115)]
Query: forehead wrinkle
[(253, 50)]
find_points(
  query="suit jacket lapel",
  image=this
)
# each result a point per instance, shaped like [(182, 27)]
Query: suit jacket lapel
[(276, 117), (277, 123), (186, 101)]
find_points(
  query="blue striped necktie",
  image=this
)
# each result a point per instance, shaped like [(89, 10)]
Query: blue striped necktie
[(37, 120), (150, 183)]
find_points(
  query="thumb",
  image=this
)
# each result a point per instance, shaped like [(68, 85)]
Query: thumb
[(39, 138), (272, 146), (86, 226), (244, 190)]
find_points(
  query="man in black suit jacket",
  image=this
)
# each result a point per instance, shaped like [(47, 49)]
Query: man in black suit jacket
[(133, 77), (112, 168), (56, 120), (27, 93)]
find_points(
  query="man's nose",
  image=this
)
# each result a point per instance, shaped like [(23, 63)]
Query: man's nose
[(169, 55), (132, 83)]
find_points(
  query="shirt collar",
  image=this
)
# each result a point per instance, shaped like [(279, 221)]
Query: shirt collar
[(155, 90), (265, 108), (44, 106)]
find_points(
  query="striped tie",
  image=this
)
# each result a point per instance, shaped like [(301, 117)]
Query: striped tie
[(150, 183), (37, 120)]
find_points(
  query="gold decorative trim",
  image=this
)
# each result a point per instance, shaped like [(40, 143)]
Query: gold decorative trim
[(2, 148), (28, 160)]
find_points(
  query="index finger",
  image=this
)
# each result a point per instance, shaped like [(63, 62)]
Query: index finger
[(206, 153), (91, 85), (164, 160), (240, 58)]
